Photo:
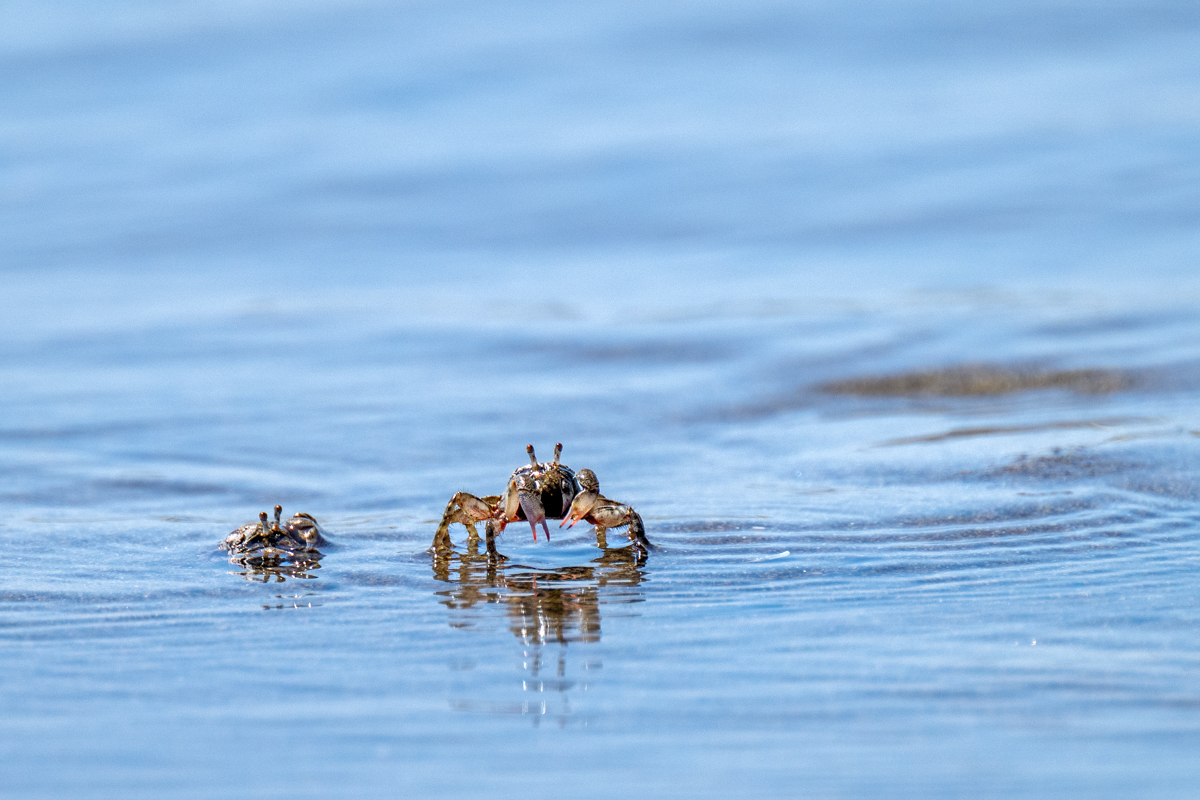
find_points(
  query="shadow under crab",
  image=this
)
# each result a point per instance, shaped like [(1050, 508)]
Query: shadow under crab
[(536, 492), (283, 550)]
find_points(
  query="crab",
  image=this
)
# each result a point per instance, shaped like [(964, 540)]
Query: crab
[(300, 533), (536, 492)]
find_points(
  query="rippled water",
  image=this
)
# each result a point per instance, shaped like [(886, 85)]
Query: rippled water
[(884, 317)]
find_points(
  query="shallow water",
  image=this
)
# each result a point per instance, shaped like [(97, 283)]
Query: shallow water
[(353, 258)]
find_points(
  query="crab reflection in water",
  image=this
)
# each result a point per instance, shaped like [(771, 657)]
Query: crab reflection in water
[(265, 567), (542, 607)]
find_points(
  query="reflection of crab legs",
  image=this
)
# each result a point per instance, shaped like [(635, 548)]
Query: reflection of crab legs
[(604, 513)]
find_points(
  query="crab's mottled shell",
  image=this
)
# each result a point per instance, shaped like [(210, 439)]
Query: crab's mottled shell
[(300, 533), (556, 484)]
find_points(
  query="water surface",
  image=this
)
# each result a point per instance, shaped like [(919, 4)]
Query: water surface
[(882, 316)]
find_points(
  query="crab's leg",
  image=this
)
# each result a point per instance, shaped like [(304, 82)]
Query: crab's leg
[(441, 537), (610, 514), (464, 508), (489, 532), (637, 531)]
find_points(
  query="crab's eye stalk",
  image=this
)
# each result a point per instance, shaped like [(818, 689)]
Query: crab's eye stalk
[(557, 451), (278, 514), (532, 457)]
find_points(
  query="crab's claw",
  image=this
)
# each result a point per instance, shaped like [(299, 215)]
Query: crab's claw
[(305, 527), (475, 507), (531, 504), (588, 480), (511, 502), (581, 506)]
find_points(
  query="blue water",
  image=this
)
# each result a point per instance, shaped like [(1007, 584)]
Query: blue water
[(353, 257)]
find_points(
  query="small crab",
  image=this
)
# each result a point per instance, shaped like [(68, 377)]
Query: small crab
[(300, 533), (538, 491)]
